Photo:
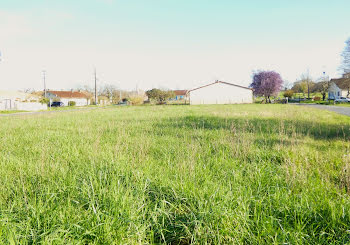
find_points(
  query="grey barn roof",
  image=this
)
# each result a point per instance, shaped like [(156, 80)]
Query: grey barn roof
[(219, 82)]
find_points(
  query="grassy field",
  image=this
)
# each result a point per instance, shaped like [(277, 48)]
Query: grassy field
[(11, 112), (244, 174)]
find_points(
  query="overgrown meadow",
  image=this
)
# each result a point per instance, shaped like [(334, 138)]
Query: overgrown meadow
[(222, 174)]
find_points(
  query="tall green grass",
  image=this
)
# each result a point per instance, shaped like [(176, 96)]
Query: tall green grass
[(244, 174), (11, 112)]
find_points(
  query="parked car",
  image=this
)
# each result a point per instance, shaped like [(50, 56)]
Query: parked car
[(342, 99), (57, 104)]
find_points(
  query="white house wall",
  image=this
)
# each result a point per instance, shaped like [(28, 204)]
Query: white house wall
[(78, 101), (30, 106), (344, 93), (220, 93), (23, 106), (6, 104), (334, 92)]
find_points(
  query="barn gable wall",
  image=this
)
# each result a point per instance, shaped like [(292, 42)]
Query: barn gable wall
[(221, 93)]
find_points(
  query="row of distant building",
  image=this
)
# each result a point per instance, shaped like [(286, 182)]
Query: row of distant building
[(214, 93), (15, 100)]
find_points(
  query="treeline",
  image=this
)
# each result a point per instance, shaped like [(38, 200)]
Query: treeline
[(269, 84), (136, 97), (159, 96), (111, 94), (114, 95), (308, 86)]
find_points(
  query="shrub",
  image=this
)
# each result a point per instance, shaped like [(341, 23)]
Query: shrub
[(288, 93), (161, 96), (136, 100), (316, 98), (71, 103), (45, 101)]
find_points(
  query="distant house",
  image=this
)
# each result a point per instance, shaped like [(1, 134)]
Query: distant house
[(339, 87), (103, 100), (80, 98), (14, 100), (220, 93), (180, 94)]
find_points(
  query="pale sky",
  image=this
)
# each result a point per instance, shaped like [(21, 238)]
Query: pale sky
[(175, 44)]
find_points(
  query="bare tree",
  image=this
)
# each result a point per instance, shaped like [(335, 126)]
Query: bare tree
[(113, 93), (287, 85), (345, 66), (86, 88), (118, 95), (322, 87), (306, 79), (108, 90), (27, 90)]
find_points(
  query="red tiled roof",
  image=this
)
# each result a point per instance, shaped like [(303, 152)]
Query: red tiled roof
[(68, 94), (180, 92)]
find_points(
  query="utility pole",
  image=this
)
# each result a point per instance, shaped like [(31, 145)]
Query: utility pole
[(308, 84), (95, 88), (44, 80)]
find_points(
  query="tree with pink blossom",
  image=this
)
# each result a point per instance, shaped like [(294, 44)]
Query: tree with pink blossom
[(267, 84)]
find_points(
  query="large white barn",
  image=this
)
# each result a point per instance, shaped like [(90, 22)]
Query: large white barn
[(220, 93)]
